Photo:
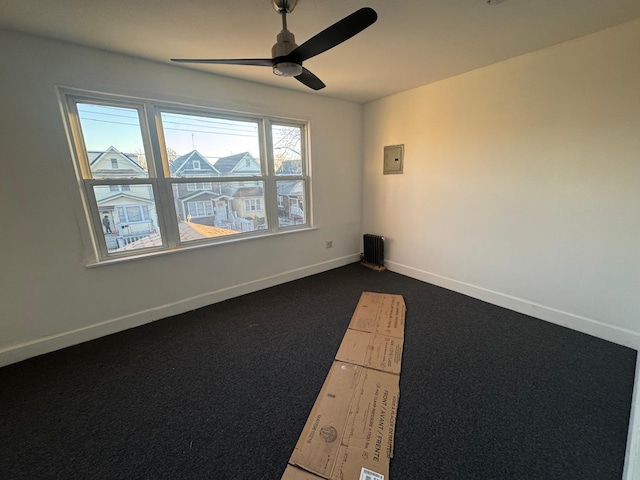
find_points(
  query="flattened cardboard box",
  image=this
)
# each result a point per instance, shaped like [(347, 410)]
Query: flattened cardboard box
[(351, 425), (380, 313), (375, 335), (349, 434), (371, 350)]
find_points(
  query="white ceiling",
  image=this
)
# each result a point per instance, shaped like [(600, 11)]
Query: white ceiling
[(414, 42)]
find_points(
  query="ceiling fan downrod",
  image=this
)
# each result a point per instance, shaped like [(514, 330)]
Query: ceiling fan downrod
[(285, 42)]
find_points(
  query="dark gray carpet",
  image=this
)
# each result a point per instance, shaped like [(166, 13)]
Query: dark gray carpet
[(224, 391)]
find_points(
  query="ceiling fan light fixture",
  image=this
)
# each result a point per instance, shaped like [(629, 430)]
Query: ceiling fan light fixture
[(287, 69)]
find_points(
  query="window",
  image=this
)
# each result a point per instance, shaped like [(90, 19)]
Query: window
[(252, 205), (200, 209), (133, 213), (291, 184), (198, 186), (169, 176)]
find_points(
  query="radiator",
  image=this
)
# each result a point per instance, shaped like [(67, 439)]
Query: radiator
[(373, 249)]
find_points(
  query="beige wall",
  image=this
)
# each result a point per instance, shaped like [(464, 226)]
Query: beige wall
[(49, 299), (521, 183)]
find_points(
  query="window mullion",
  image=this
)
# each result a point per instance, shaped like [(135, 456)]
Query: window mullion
[(271, 191), (99, 242), (166, 218)]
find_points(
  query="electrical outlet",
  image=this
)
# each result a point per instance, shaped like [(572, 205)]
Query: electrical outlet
[(329, 243)]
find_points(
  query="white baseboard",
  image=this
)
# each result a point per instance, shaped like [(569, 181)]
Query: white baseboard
[(17, 353), (586, 325), (596, 328)]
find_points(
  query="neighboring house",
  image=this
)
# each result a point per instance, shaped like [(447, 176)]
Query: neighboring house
[(238, 165), (129, 209), (290, 202), (195, 201), (206, 208), (211, 203), (248, 203), (248, 200), (193, 164), (113, 164)]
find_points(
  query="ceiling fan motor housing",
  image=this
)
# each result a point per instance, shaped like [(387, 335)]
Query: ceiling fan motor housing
[(285, 44), (284, 5)]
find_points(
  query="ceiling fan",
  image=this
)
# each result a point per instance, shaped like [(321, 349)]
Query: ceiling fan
[(287, 57)]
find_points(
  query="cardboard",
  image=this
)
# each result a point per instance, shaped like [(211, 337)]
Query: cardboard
[(371, 350), (380, 313), (349, 434), (351, 425)]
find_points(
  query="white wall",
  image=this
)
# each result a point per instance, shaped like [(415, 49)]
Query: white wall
[(520, 188), (521, 183), (48, 298)]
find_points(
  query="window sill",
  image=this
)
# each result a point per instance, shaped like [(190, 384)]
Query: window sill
[(188, 248)]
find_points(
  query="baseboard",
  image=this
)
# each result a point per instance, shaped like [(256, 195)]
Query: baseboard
[(17, 353), (596, 328), (586, 325)]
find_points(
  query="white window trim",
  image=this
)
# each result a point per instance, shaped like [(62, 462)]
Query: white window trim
[(161, 183)]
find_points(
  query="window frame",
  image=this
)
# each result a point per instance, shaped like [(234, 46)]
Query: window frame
[(159, 177)]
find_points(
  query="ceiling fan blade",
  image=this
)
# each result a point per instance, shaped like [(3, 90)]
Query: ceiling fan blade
[(310, 80), (260, 62), (334, 35)]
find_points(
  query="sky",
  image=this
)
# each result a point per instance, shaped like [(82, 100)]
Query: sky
[(105, 126)]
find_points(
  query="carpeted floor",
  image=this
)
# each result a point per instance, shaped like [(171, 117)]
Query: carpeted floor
[(224, 391)]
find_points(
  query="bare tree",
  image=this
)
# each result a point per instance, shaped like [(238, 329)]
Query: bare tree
[(171, 155), (286, 144)]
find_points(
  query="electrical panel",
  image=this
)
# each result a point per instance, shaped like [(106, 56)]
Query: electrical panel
[(393, 159)]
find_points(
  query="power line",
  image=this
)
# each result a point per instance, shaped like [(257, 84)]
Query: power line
[(172, 129), (212, 123)]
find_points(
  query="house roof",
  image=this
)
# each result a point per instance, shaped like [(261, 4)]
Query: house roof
[(188, 231), (248, 192), (237, 164), (208, 193), (289, 187), (128, 195), (183, 166), (130, 159)]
